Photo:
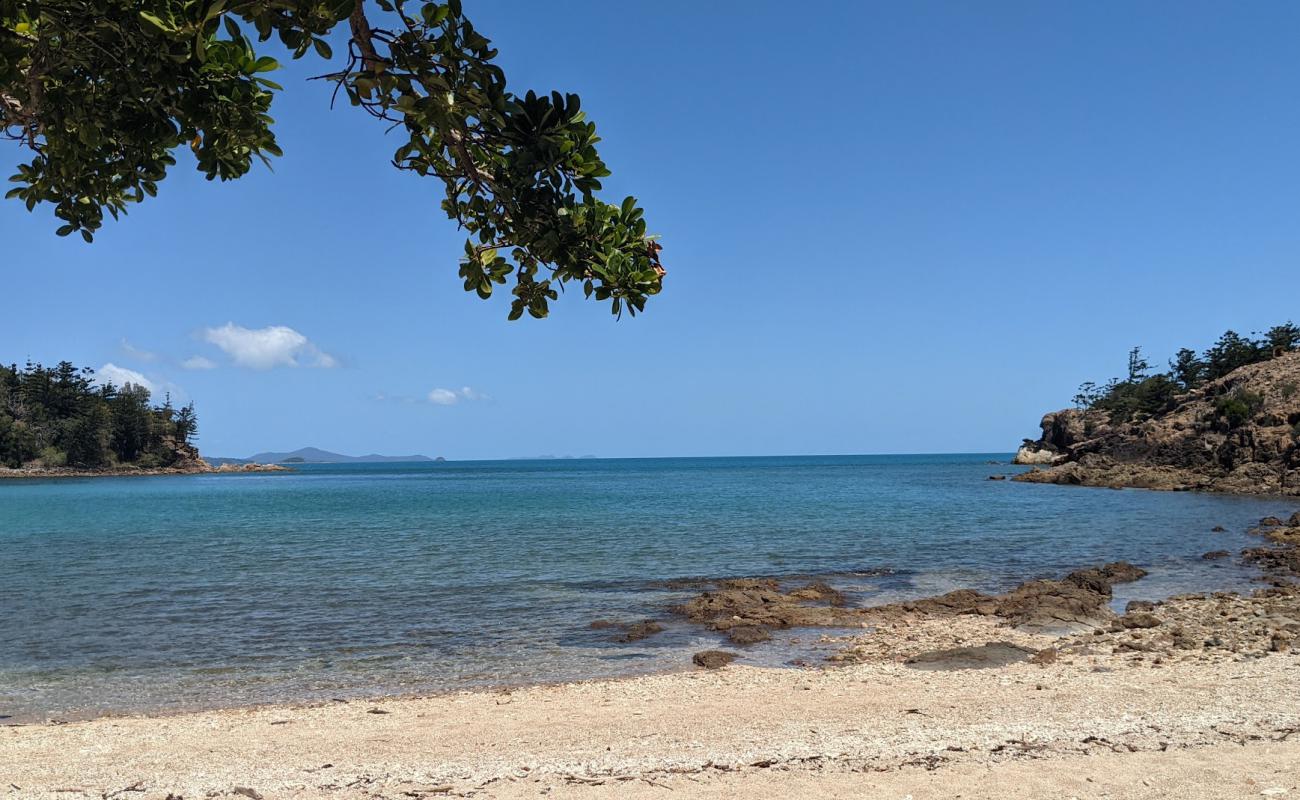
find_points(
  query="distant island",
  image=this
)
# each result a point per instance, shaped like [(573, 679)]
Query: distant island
[(1226, 420), (315, 455), (62, 420)]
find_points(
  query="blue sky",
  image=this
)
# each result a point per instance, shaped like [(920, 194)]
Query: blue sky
[(889, 227)]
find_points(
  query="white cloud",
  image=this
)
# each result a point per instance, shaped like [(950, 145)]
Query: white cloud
[(121, 376), (135, 352), (198, 362), (450, 397), (265, 348)]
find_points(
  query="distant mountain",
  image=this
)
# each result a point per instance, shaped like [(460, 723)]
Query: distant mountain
[(314, 455)]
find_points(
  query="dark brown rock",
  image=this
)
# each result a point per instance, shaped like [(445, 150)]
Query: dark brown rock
[(1140, 619), (1047, 655), (748, 634), (1218, 529), (637, 631), (1215, 555), (1270, 522), (821, 592), (713, 659), (1139, 605)]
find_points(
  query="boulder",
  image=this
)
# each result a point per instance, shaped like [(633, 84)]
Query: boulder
[(1030, 454), (713, 659), (637, 631), (1140, 619), (748, 634)]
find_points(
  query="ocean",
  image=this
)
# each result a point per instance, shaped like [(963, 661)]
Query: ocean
[(149, 594)]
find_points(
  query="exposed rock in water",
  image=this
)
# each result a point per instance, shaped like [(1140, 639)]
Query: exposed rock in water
[(820, 592), (759, 602), (1215, 555), (231, 467), (1031, 453), (1218, 529), (713, 659), (629, 631), (748, 634), (1190, 447), (640, 630), (746, 609), (993, 654)]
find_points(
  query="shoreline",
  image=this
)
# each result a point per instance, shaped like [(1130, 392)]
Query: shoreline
[(1188, 697), (42, 473), (696, 732), (1040, 616)]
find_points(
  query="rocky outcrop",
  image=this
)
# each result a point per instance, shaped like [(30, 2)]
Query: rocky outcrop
[(1079, 600), (747, 609), (228, 467), (185, 461), (1193, 446), (713, 659)]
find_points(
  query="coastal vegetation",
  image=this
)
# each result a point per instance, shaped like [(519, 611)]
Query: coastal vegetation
[(60, 416), (1143, 393), (105, 93)]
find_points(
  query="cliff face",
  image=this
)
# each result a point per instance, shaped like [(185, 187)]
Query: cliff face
[(1240, 433)]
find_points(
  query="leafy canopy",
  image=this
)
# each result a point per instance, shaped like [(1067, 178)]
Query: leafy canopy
[(61, 416), (104, 92), (1143, 394)]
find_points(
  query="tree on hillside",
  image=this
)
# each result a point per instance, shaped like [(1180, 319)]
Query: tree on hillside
[(1137, 365), (1284, 338), (1232, 350), (103, 93), (187, 424), (1187, 368), (1142, 394)]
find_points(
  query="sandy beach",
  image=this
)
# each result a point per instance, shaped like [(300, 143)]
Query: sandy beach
[(1110, 724)]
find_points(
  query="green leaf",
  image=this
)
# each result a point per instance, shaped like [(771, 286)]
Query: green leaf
[(265, 64), (157, 22), (64, 230), (322, 48)]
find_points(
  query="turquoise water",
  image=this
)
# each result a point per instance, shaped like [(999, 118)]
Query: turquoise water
[(342, 581)]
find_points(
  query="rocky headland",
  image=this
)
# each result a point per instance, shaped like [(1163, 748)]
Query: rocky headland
[(187, 462), (1239, 433)]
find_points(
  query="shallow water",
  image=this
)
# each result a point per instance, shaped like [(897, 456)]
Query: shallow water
[(137, 594)]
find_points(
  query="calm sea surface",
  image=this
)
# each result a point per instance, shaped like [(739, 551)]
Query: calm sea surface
[(345, 581)]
